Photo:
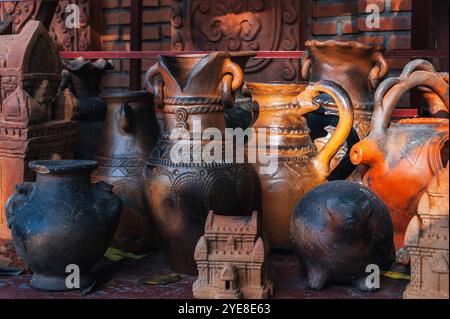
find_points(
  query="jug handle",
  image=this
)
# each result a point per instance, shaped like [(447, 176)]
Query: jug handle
[(416, 73), (155, 84), (378, 71), (323, 158), (232, 81), (125, 115)]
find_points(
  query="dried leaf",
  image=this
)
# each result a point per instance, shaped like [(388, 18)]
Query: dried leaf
[(395, 275), (163, 279), (115, 254)]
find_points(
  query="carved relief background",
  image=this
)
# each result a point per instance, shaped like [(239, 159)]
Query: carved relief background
[(70, 39), (241, 25)]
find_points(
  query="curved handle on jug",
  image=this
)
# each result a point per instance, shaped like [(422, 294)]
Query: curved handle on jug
[(416, 73), (344, 104), (155, 84), (306, 66), (378, 71), (232, 81)]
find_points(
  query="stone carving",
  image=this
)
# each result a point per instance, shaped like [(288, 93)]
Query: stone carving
[(30, 72), (53, 15), (248, 25), (231, 259), (426, 239)]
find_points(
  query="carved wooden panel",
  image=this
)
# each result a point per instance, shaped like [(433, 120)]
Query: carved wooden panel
[(70, 39), (241, 25)]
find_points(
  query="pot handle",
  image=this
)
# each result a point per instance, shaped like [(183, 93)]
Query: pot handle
[(125, 115), (155, 84), (378, 71), (416, 73), (306, 98), (232, 81), (306, 66)]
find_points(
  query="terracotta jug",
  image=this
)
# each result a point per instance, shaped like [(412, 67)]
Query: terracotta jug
[(403, 157), (282, 107), (62, 219), (128, 137), (192, 89), (358, 68)]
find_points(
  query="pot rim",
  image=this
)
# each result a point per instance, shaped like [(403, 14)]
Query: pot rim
[(344, 44), (270, 86), (421, 121), (125, 95), (62, 166)]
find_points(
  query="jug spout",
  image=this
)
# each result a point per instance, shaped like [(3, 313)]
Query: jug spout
[(366, 152)]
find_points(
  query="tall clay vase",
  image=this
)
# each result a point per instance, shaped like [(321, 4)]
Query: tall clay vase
[(192, 89), (295, 166), (83, 79), (62, 221), (358, 68), (129, 135), (403, 157)]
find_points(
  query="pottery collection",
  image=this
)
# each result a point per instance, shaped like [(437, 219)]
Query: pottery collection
[(337, 230), (300, 167), (129, 135), (62, 219), (144, 171), (358, 68), (192, 91), (406, 154)]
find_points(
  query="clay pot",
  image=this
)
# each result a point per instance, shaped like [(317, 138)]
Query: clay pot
[(358, 68), (192, 89), (337, 230), (83, 79), (298, 166), (128, 137), (62, 219), (403, 157)]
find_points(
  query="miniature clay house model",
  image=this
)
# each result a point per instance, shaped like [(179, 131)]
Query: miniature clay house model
[(30, 72), (231, 259), (427, 241)]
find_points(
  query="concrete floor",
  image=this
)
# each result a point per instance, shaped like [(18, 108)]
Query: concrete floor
[(123, 280)]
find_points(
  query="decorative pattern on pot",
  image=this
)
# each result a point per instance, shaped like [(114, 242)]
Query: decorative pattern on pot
[(129, 135), (358, 68), (191, 90), (403, 157), (299, 167), (62, 219)]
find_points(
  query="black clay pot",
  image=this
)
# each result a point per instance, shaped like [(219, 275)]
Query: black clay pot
[(337, 230), (62, 219)]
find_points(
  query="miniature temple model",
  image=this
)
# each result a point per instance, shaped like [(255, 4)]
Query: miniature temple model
[(232, 259)]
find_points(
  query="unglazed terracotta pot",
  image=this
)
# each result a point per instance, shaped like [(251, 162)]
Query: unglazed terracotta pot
[(298, 167), (337, 230), (358, 68), (192, 90), (403, 157), (128, 137), (62, 219)]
